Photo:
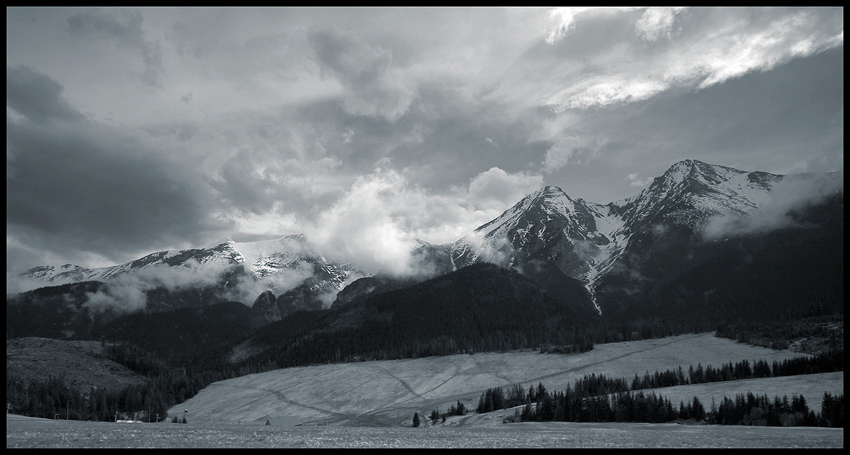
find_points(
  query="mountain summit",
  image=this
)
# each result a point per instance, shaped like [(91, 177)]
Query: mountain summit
[(545, 226), (690, 191), (586, 240)]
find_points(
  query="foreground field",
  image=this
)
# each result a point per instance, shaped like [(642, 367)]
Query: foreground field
[(26, 432), (387, 393)]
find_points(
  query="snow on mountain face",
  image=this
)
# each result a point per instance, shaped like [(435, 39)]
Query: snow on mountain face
[(690, 191), (266, 257), (276, 265), (586, 239), (536, 220)]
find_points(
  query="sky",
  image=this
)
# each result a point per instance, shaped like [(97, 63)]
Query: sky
[(136, 130)]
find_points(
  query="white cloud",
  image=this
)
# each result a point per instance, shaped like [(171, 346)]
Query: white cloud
[(734, 54), (571, 148), (248, 288), (787, 196), (120, 299), (382, 217), (558, 156), (634, 181), (495, 190), (702, 54), (125, 293), (656, 23), (369, 226), (564, 18), (603, 93)]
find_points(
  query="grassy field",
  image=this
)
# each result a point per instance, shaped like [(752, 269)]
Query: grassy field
[(371, 404), (27, 432), (387, 393)]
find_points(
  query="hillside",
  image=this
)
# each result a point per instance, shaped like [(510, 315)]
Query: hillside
[(81, 363), (387, 393), (482, 307)]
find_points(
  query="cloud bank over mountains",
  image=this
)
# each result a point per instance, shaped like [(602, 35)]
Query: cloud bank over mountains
[(788, 197), (131, 130)]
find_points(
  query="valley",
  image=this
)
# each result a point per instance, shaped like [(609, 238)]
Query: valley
[(370, 405)]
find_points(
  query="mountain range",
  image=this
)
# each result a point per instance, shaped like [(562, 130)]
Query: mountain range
[(700, 244)]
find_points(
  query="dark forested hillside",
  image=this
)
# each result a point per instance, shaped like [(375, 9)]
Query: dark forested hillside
[(80, 310), (786, 273), (185, 333), (54, 312), (478, 308)]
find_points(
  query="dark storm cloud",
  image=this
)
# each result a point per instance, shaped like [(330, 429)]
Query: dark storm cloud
[(37, 96), (245, 188), (99, 188), (105, 189)]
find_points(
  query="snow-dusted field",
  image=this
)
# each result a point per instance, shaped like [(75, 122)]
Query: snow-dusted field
[(26, 432), (387, 393)]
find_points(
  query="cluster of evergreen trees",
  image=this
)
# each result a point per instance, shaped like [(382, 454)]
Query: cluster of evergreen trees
[(825, 362), (748, 409), (164, 387), (53, 397), (454, 410), (778, 333), (751, 409), (597, 398)]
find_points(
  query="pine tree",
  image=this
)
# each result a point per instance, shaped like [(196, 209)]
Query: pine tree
[(527, 413), (461, 409), (698, 410), (416, 419)]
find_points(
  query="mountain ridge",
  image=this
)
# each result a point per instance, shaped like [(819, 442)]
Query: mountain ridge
[(585, 240)]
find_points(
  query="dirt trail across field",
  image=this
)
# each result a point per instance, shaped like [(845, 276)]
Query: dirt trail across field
[(371, 417), (388, 393), (280, 397)]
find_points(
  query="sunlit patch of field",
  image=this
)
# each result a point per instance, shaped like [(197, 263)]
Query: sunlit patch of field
[(25, 432)]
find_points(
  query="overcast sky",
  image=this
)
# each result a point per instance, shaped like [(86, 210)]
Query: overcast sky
[(131, 131)]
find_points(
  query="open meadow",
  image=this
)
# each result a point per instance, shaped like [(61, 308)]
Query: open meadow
[(387, 393), (371, 404), (27, 432)]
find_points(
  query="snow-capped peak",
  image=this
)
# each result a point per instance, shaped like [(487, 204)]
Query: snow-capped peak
[(585, 239), (691, 191)]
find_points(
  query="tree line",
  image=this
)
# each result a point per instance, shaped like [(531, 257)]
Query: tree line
[(164, 387), (597, 398), (778, 334), (744, 409), (53, 397), (824, 362)]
